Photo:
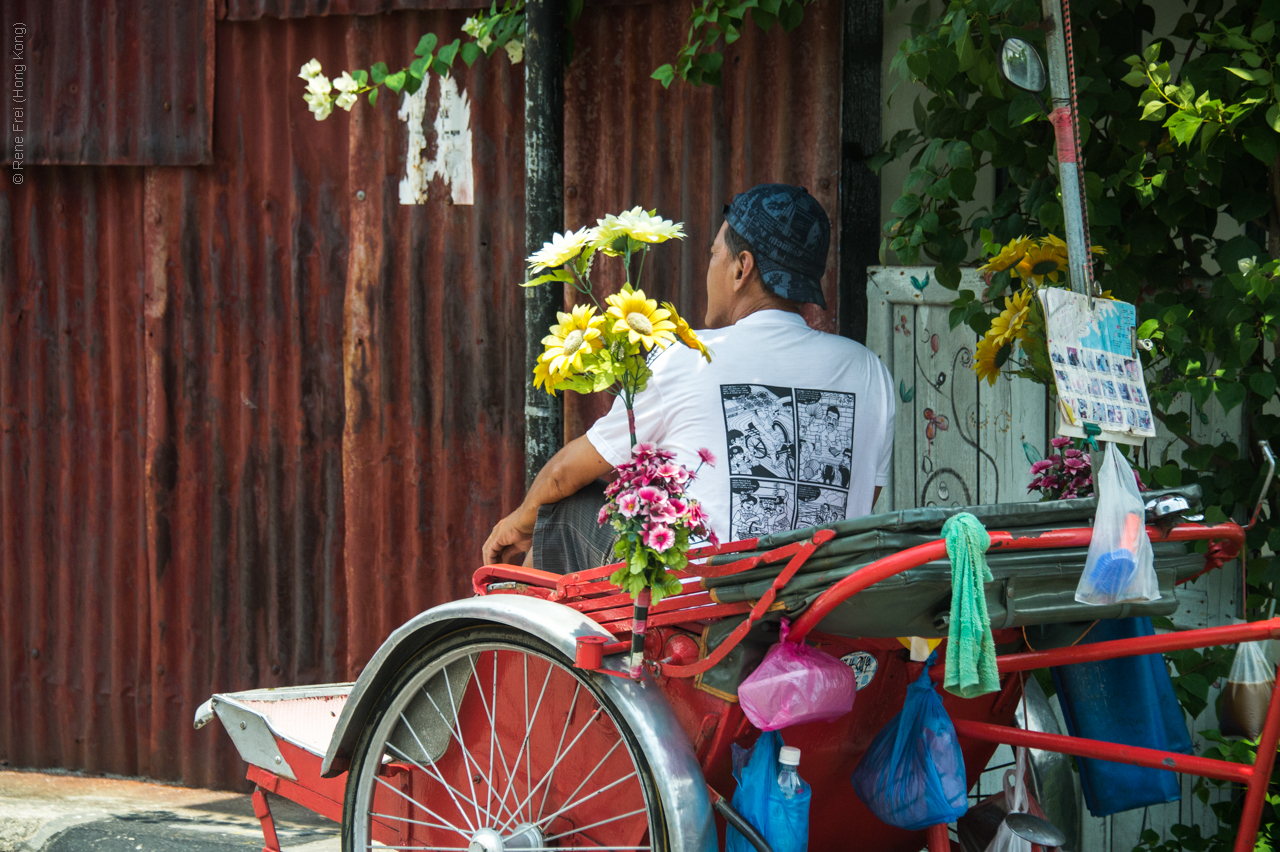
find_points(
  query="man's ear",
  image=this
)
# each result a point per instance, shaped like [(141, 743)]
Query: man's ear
[(744, 265)]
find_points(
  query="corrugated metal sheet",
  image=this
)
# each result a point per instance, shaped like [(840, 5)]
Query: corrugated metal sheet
[(111, 83), (256, 414), (252, 10), (687, 151)]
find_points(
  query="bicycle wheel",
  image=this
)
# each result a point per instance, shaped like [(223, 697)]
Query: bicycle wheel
[(490, 741)]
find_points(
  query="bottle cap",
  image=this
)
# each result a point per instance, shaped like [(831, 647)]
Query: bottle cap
[(789, 756)]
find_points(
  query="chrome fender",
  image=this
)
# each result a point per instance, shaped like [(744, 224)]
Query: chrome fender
[(676, 774)]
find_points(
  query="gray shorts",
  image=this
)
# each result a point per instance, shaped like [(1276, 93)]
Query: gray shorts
[(566, 537)]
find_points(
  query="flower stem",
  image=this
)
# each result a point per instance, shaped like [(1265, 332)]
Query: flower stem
[(640, 271)]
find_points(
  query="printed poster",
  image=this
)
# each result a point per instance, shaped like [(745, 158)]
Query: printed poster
[(1093, 349)]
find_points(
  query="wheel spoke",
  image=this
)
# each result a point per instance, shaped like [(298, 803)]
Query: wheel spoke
[(566, 754), (573, 702), (494, 740), (414, 821), (411, 800), (453, 708), (593, 825), (547, 820), (528, 726), (439, 776)]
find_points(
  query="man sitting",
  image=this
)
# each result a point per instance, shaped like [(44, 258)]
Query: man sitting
[(771, 378)]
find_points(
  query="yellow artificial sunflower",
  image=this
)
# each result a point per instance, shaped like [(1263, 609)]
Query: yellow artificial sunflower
[(640, 319), (578, 335), (560, 249), (686, 334), (1007, 256), (636, 224), (1009, 325), (1041, 262), (984, 360), (542, 377)]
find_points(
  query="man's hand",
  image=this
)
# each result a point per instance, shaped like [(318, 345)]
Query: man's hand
[(511, 536), (576, 464)]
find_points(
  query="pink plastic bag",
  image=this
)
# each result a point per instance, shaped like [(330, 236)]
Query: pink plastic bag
[(795, 684)]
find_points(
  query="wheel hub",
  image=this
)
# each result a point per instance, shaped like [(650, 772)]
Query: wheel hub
[(525, 836)]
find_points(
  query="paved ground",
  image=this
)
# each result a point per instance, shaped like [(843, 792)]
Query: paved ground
[(42, 812)]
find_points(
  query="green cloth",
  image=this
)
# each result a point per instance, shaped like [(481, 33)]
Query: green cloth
[(971, 650)]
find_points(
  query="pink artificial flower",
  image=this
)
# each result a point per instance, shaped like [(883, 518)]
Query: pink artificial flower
[(1073, 453), (613, 487), (670, 470), (706, 456), (663, 455), (713, 538), (1060, 442), (603, 517), (678, 506), (643, 449), (1141, 487), (1076, 464), (650, 494), (663, 512), (1040, 466), (659, 537), (628, 504)]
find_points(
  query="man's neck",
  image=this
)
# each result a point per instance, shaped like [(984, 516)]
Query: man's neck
[(756, 302)]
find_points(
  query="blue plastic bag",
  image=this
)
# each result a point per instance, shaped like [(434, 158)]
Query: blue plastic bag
[(783, 822), (913, 775), (1129, 701)]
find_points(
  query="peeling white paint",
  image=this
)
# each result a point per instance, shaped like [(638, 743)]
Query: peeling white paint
[(452, 161), (413, 186)]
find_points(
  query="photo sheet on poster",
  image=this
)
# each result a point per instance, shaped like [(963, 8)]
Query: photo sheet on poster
[(1093, 348)]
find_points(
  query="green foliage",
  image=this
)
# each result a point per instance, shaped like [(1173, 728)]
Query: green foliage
[(716, 23), (1180, 138)]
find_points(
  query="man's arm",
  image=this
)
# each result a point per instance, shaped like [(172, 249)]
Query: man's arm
[(576, 465)]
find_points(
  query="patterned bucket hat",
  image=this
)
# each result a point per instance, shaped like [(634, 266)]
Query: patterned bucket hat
[(790, 235)]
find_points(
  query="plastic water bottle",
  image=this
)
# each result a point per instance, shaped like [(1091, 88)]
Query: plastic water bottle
[(788, 778)]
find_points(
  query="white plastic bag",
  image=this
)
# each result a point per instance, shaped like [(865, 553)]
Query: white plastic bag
[(1121, 564), (1247, 693), (1019, 802)]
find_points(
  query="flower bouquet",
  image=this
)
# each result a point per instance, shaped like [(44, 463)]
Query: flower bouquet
[(1064, 474), (589, 352)]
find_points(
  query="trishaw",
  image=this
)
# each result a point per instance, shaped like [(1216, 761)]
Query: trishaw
[(506, 721)]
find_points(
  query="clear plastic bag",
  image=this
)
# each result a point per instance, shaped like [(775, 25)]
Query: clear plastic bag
[(1121, 565), (1019, 801), (912, 776), (1247, 693), (796, 683), (783, 822)]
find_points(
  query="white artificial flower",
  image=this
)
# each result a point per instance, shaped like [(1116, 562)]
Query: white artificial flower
[(560, 249), (346, 101), (515, 51), (310, 69), (346, 83)]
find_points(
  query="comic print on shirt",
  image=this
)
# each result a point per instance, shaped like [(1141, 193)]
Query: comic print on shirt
[(790, 453)]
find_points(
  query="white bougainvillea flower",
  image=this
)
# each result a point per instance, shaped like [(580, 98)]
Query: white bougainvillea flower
[(346, 83), (515, 51), (560, 249), (346, 101), (471, 26), (320, 105), (319, 85), (309, 69)]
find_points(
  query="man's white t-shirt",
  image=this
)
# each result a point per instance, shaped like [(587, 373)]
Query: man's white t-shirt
[(800, 422)]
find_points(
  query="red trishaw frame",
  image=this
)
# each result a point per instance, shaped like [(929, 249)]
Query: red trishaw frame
[(591, 593)]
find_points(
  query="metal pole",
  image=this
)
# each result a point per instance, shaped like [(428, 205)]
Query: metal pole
[(543, 212), (860, 108), (1063, 116)]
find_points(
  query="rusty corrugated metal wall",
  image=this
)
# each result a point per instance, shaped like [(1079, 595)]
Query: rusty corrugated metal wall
[(256, 413)]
